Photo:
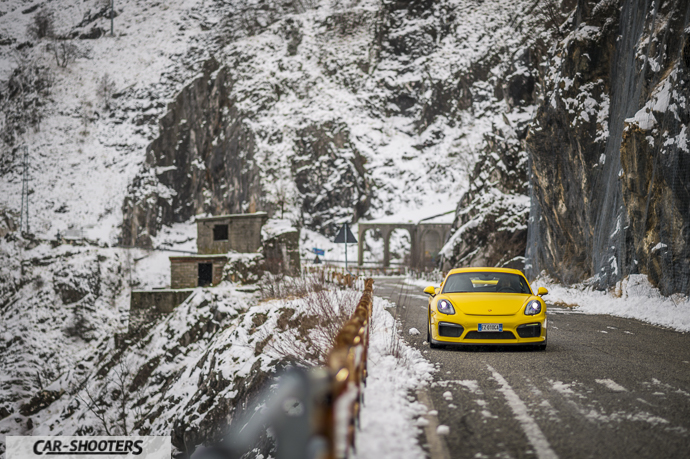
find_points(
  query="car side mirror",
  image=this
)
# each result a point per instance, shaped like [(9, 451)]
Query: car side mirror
[(542, 291), (430, 290)]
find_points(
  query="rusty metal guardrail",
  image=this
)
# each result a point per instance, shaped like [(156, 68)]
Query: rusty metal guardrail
[(347, 363), (314, 413)]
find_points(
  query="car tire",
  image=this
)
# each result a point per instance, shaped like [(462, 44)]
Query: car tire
[(428, 337), (540, 347)]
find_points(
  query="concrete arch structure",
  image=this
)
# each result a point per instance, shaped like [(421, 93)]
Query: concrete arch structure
[(420, 238)]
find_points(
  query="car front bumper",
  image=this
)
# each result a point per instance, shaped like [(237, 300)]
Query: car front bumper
[(518, 329)]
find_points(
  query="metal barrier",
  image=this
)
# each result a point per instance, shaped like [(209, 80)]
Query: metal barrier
[(314, 414), (347, 361), (357, 271)]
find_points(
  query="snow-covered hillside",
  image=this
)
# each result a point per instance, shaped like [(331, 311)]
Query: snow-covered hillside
[(83, 154), (319, 112)]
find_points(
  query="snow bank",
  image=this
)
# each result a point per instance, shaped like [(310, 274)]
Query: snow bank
[(634, 297), (388, 423)]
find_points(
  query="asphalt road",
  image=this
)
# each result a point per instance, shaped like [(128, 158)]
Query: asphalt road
[(606, 387)]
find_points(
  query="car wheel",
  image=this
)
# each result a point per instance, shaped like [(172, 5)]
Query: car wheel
[(540, 347)]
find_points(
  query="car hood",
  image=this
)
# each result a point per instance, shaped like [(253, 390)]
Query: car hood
[(488, 304)]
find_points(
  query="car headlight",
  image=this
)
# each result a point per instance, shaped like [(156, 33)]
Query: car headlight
[(445, 307), (533, 307)]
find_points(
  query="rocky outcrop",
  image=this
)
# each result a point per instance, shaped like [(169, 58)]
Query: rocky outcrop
[(325, 161), (202, 162), (609, 148), (490, 228)]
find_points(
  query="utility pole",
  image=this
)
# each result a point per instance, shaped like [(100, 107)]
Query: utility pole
[(112, 15), (24, 212)]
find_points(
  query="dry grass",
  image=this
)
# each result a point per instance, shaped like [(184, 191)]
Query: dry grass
[(278, 286), (309, 333)]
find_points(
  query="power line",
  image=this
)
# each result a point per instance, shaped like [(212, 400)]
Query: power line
[(24, 211)]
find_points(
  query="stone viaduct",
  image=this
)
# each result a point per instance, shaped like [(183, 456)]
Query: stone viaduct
[(426, 239)]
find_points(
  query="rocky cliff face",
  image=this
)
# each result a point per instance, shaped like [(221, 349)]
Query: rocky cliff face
[(337, 111), (202, 162), (490, 227), (499, 88), (609, 148)]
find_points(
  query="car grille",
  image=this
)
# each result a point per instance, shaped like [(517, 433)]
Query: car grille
[(489, 335), (450, 330), (529, 331)]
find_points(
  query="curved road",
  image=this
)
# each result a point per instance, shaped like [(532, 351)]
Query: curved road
[(606, 387)]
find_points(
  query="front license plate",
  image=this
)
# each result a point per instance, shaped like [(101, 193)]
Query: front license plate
[(490, 327)]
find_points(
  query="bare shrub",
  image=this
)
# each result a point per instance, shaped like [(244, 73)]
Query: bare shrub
[(42, 25), (105, 90), (311, 331), (277, 286), (86, 112), (65, 52), (283, 196), (394, 345), (554, 16)]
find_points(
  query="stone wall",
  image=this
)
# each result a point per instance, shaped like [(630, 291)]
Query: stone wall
[(148, 306), (244, 233), (184, 271), (282, 253)]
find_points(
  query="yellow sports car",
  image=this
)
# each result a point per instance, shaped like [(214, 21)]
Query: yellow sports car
[(486, 306)]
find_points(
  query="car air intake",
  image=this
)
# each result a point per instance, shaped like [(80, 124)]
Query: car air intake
[(450, 330), (489, 335), (529, 331)]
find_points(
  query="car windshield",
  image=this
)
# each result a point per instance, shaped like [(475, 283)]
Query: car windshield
[(493, 282)]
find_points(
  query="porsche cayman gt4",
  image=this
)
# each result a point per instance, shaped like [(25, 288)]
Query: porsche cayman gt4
[(480, 306)]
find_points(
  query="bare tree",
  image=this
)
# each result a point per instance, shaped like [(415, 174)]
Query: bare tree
[(111, 400), (42, 25), (554, 17), (65, 52), (283, 196), (85, 113), (105, 89)]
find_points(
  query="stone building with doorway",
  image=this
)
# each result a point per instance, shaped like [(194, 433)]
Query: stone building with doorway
[(233, 247), (196, 270), (239, 233), (216, 237)]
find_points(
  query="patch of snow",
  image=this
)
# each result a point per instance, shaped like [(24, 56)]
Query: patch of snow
[(612, 385), (390, 422), (633, 297), (442, 430), (275, 227), (644, 118)]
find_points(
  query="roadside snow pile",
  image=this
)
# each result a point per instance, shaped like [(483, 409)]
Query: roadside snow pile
[(633, 297), (388, 423)]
